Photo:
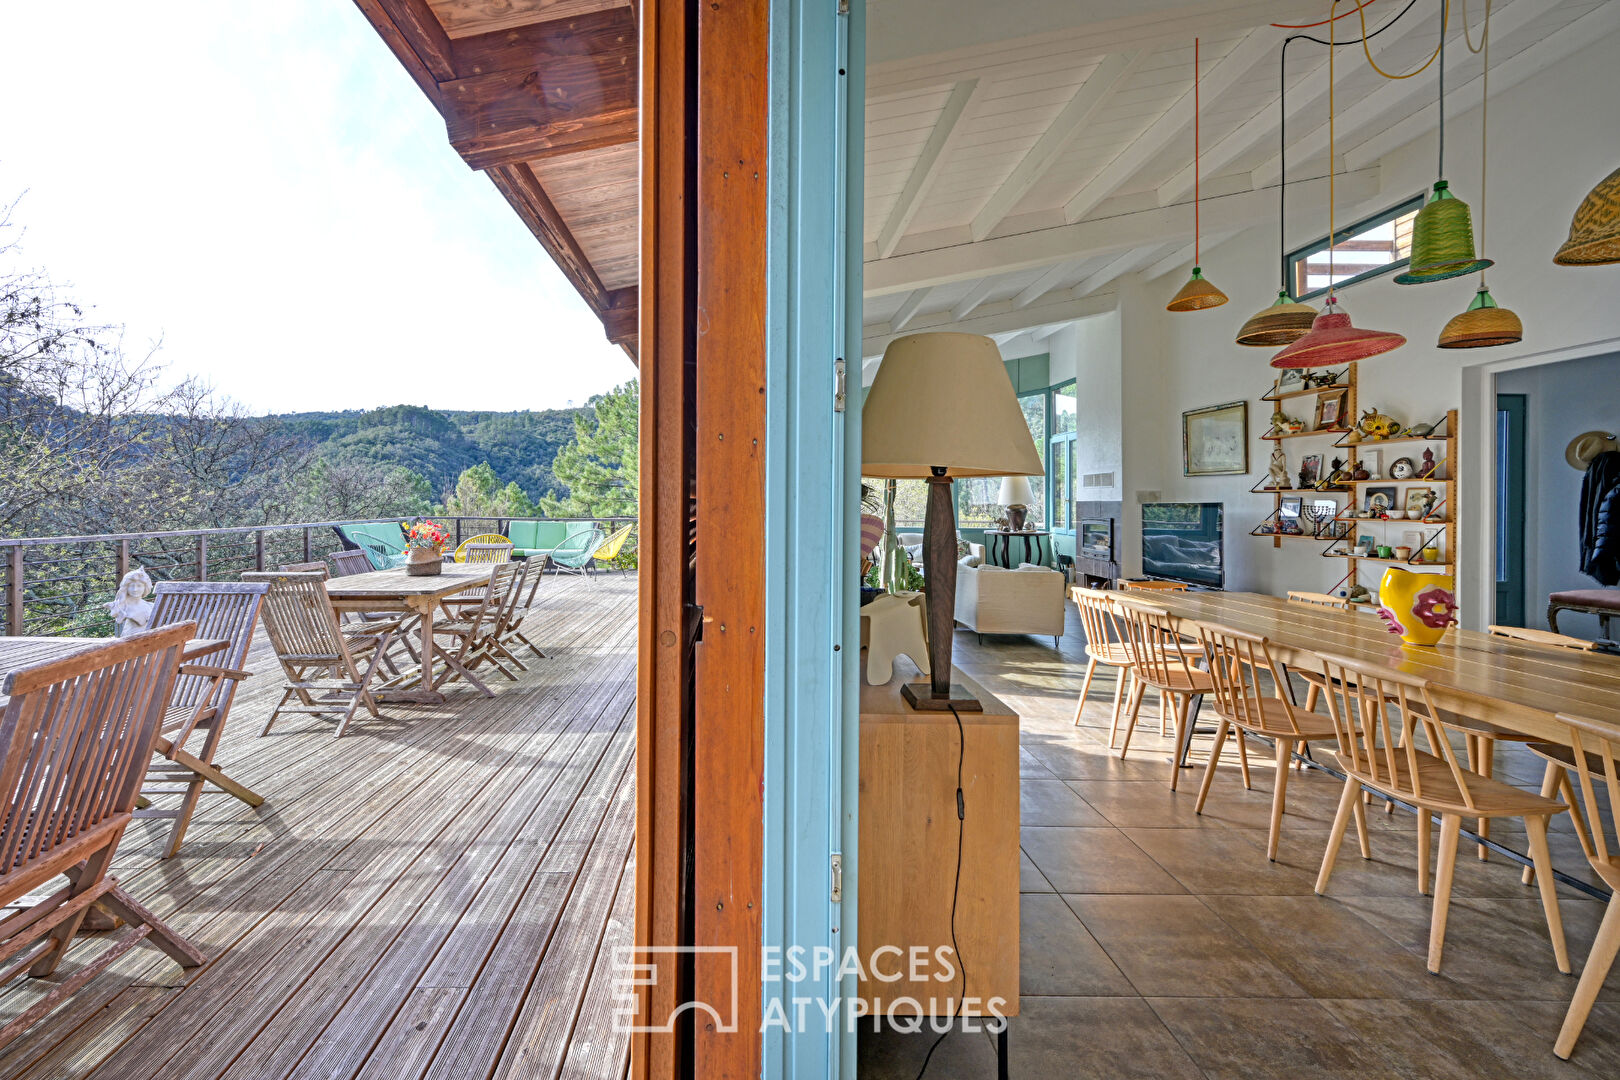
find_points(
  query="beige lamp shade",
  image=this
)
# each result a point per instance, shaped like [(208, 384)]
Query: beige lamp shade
[(1015, 491), (944, 400)]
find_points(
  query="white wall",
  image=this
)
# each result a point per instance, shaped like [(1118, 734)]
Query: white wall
[(1551, 141), (1561, 401)]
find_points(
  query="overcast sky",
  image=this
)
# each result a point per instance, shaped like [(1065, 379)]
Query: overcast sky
[(262, 186)]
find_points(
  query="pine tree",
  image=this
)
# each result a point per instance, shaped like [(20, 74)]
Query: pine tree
[(601, 465)]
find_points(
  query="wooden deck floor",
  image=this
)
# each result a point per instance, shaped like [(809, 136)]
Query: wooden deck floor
[(436, 895)]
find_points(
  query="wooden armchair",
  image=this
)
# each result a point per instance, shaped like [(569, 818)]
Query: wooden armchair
[(225, 610), (70, 772), (1379, 716), (321, 660)]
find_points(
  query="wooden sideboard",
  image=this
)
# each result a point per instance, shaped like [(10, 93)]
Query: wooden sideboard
[(908, 838)]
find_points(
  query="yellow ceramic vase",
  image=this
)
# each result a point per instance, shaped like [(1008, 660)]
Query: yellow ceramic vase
[(1418, 607)]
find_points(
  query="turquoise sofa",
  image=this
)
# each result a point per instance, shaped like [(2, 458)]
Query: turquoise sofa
[(538, 537)]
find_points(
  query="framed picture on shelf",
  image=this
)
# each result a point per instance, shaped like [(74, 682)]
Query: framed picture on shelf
[(1372, 460), (1215, 440), (1292, 379), (1291, 507), (1379, 499), (1310, 470), (1330, 409), (1417, 501)]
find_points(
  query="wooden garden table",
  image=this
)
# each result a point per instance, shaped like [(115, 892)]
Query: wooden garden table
[(395, 590), (20, 652)]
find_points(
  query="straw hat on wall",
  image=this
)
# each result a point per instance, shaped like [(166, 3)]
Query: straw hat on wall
[(1586, 446)]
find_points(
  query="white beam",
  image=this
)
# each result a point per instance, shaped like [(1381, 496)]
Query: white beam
[(1183, 256), (1371, 111), (1304, 99), (1596, 24), (1047, 332), (908, 309), (1043, 284), (1096, 90), (976, 296), (1131, 260), (1231, 68), (1099, 236), (1066, 309), (927, 167)]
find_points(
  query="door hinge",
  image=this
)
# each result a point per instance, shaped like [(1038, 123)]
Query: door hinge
[(837, 878), (843, 7), (839, 384)]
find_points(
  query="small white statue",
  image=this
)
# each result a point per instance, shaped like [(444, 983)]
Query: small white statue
[(1278, 471), (130, 608)]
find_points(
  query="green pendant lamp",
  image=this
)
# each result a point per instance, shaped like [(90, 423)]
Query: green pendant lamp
[(1285, 320), (1485, 323), (1198, 293), (1443, 234)]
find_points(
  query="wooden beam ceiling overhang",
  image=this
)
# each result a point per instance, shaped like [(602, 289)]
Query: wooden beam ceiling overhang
[(564, 83)]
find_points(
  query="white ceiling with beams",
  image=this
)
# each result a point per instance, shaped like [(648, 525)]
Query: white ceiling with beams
[(1024, 154)]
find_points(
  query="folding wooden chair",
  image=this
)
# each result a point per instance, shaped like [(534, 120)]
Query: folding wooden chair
[(75, 738), (347, 563), (476, 632), (1593, 750), (1379, 750), (474, 554), (225, 610), (511, 631), (307, 567), (320, 658)]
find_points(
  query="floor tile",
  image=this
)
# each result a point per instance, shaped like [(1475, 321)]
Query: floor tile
[(1052, 802), (1030, 878), (1176, 946), (1113, 1038), (1077, 860), (1458, 1040), (1258, 1039), (1058, 958), (1221, 861)]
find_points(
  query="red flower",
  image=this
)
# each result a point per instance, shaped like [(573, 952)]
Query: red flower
[(1435, 607)]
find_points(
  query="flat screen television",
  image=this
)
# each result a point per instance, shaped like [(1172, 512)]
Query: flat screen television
[(1183, 542)]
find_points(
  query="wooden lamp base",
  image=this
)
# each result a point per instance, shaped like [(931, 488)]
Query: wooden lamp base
[(920, 696)]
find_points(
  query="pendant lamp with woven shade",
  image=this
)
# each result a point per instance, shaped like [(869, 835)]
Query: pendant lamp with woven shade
[(1594, 234), (1443, 234), (1485, 323), (1198, 293), (1332, 339), (1285, 320)]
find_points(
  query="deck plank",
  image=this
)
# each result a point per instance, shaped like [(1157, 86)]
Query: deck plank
[(357, 920)]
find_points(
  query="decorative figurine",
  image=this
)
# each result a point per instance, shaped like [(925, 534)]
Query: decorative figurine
[(1376, 425), (1361, 472), (1426, 469), (1429, 499), (1336, 476), (1278, 472), (1359, 594), (1420, 431), (1401, 469)]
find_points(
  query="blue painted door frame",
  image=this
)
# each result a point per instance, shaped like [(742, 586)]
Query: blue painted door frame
[(812, 530)]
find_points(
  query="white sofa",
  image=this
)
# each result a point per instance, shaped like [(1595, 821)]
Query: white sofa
[(992, 600)]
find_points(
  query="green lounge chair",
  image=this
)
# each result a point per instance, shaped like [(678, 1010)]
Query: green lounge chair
[(382, 541), (576, 553), (531, 538)]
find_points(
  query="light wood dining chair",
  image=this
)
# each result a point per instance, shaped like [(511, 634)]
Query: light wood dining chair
[(1105, 646), (75, 737), (1593, 749), (203, 693), (1481, 736), (1152, 586), (1378, 716), (1313, 681), (1154, 643), (1237, 663)]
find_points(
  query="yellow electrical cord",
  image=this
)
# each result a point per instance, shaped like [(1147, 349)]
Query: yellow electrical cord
[(1485, 34), (1361, 12)]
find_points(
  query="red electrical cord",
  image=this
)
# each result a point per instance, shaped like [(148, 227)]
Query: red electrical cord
[(1361, 5), (1198, 232)]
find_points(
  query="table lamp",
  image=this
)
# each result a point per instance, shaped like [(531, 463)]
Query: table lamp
[(941, 407), (1016, 495)]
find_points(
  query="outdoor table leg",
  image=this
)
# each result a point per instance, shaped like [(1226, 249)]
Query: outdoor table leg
[(425, 692)]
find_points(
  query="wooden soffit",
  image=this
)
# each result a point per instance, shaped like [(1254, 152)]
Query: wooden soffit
[(536, 88)]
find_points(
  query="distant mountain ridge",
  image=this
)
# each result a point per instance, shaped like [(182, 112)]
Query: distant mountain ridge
[(438, 444)]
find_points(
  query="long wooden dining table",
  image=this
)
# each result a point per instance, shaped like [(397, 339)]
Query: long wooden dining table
[(1515, 685), (1510, 683)]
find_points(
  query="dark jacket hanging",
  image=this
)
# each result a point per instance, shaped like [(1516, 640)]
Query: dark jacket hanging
[(1600, 519)]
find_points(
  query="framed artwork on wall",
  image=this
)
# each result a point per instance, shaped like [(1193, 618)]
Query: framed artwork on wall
[(1215, 440)]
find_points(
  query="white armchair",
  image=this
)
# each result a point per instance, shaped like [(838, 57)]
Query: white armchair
[(992, 600)]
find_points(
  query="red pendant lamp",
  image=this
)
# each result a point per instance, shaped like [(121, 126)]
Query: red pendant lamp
[(1198, 293), (1332, 339)]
